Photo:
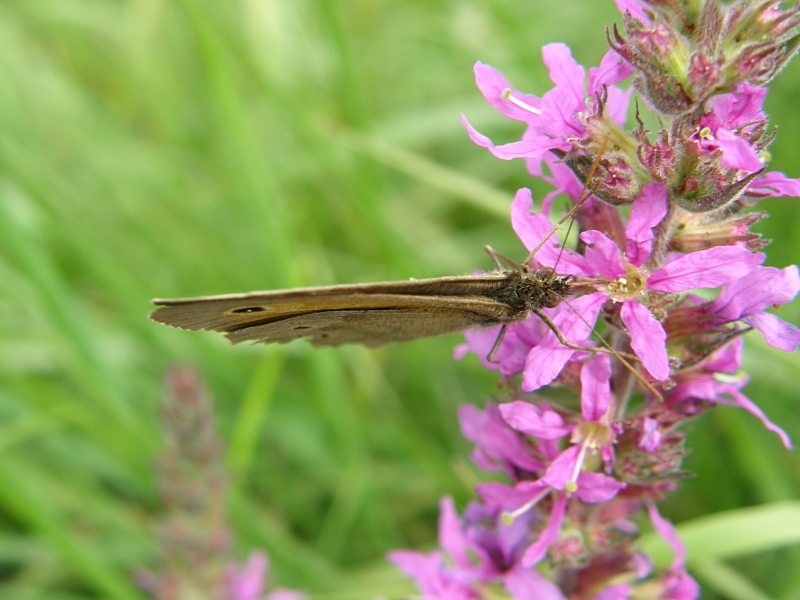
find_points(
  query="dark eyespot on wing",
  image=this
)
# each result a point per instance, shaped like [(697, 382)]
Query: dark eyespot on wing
[(248, 309)]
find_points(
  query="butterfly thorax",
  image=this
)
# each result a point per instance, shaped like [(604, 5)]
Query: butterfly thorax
[(524, 290)]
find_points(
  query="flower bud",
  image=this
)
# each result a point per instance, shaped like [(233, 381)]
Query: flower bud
[(699, 232)]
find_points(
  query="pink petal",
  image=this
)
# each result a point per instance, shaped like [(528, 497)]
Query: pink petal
[(529, 584), (778, 333), (648, 338), (564, 71), (596, 388), (527, 418), (596, 487), (492, 84), (679, 585), (531, 228), (742, 401), (647, 211), (727, 359), (560, 114), (634, 7), (620, 591), (498, 496), (761, 288), (774, 184), (538, 549), (283, 594), (651, 436), (667, 531), (562, 468), (545, 361), (423, 568), (603, 255), (246, 583), (451, 536), (480, 342), (524, 149), (497, 441), (737, 153), (613, 69), (616, 107), (706, 268), (741, 107)]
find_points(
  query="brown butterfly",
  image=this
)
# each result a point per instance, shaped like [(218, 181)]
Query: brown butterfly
[(372, 313), (380, 313)]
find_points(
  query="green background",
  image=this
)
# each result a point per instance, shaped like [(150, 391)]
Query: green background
[(188, 147)]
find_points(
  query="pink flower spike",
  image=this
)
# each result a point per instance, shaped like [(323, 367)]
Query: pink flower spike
[(545, 361), (494, 87), (646, 212), (538, 549), (596, 388), (704, 269), (648, 338), (564, 71), (530, 420)]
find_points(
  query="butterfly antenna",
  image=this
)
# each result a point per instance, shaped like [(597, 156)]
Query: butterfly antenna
[(585, 194), (618, 355)]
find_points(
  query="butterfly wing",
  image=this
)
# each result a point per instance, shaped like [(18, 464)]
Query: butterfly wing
[(372, 314)]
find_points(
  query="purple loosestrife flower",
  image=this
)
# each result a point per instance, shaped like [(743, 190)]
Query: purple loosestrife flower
[(716, 381), (562, 525), (570, 120), (479, 551), (195, 538)]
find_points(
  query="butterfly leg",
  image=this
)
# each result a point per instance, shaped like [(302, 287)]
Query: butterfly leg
[(497, 257), (621, 356), (564, 342), (500, 335)]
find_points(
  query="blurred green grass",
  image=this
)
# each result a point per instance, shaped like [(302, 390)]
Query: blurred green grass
[(189, 147)]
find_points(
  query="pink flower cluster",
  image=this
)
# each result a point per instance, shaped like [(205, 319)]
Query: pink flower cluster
[(563, 526)]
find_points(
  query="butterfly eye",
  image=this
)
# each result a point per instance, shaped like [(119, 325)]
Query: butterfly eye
[(551, 300), (546, 273)]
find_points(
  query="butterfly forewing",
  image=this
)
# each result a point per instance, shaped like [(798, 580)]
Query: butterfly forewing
[(373, 314)]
